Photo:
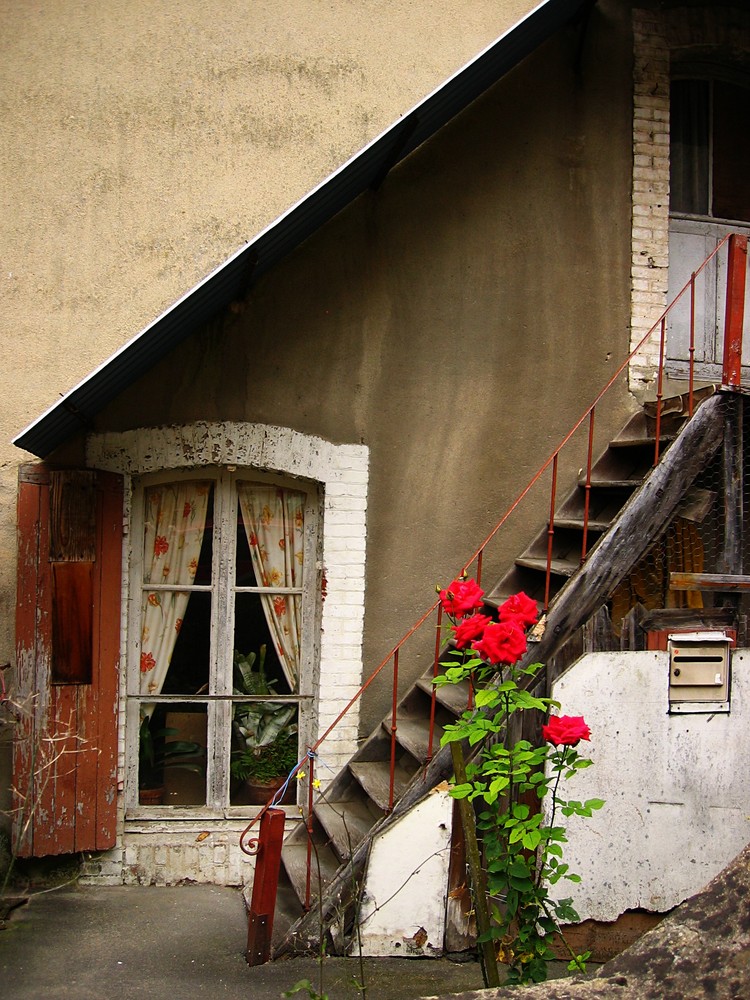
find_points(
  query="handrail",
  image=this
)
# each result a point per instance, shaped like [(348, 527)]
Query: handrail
[(732, 358)]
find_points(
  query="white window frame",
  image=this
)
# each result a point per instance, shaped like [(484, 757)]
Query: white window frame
[(223, 589)]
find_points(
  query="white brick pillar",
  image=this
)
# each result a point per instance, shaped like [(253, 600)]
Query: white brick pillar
[(650, 231)]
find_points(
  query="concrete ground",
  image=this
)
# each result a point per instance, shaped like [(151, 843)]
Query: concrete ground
[(177, 943)]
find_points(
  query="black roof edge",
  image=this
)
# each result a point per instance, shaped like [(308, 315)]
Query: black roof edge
[(366, 169)]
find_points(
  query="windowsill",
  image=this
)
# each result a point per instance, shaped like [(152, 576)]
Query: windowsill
[(143, 819)]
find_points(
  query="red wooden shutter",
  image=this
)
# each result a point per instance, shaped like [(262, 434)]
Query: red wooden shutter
[(67, 660)]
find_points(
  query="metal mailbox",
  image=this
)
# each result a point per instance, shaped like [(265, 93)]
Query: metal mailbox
[(699, 672)]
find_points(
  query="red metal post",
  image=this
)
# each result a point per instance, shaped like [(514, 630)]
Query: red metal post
[(265, 883), (309, 822), (550, 532), (587, 499), (394, 729), (736, 271), (691, 350), (660, 387), (433, 693)]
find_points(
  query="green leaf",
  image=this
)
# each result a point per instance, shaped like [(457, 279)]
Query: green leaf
[(461, 791), (530, 839), (594, 803), (485, 698)]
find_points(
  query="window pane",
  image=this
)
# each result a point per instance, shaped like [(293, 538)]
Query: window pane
[(188, 671), (271, 520), (689, 153), (252, 644), (175, 542), (731, 175), (172, 756), (264, 752)]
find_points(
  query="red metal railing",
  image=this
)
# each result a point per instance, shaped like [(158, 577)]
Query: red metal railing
[(736, 270)]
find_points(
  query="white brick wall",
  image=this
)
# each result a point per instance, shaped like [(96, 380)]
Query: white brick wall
[(650, 233), (167, 856)]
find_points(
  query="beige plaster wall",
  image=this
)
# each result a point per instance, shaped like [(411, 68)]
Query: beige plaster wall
[(144, 142), (456, 321)]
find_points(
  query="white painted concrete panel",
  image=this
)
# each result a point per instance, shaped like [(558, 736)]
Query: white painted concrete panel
[(676, 787), (403, 909)]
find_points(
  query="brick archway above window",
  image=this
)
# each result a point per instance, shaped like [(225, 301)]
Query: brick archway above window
[(341, 471)]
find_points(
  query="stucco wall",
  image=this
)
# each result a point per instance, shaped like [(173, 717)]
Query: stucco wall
[(677, 801), (143, 143), (456, 321)]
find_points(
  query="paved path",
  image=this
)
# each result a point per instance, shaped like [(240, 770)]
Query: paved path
[(128, 942)]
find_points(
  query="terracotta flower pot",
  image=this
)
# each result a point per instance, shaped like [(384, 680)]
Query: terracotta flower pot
[(151, 796), (259, 792)]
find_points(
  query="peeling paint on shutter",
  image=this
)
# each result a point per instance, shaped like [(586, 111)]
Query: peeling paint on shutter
[(68, 606)]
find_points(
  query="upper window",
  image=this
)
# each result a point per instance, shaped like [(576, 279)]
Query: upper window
[(221, 659), (710, 149)]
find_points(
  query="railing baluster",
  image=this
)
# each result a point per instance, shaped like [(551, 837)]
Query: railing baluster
[(587, 488), (691, 349), (309, 822), (660, 388), (433, 693), (394, 729), (550, 532)]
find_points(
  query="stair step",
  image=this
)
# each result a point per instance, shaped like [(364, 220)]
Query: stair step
[(454, 697), (607, 483), (294, 859), (347, 823), (375, 778), (576, 524), (414, 735), (559, 567), (647, 441)]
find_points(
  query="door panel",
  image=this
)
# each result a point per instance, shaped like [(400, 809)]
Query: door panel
[(690, 243), (65, 751)]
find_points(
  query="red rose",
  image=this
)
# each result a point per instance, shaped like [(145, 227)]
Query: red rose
[(461, 597), (518, 608), (161, 545), (502, 642), (565, 729), (470, 629)]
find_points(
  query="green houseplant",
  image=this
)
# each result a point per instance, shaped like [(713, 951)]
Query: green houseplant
[(265, 731), (158, 752)]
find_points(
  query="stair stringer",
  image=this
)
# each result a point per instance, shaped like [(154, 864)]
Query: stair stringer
[(638, 525)]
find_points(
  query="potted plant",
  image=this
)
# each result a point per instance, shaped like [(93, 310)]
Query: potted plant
[(265, 731), (157, 752)]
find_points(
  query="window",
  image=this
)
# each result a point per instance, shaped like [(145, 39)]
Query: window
[(710, 149), (222, 606)]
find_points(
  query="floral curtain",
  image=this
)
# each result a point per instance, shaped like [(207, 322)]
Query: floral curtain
[(274, 521), (175, 520)]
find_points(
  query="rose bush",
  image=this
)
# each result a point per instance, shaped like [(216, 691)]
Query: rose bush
[(523, 846)]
